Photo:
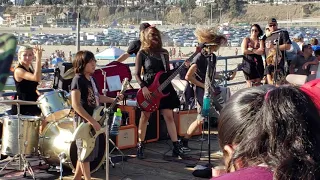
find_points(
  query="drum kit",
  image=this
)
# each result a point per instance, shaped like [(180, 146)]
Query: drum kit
[(21, 137), (55, 145)]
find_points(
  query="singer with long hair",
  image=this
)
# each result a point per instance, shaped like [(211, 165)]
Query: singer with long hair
[(153, 59), (197, 73)]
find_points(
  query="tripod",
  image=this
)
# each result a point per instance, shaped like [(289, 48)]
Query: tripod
[(22, 158), (108, 158)]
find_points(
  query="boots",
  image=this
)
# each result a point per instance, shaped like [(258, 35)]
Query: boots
[(140, 150), (177, 150), (184, 145)]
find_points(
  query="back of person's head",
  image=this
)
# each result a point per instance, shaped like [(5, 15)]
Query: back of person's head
[(275, 126), (314, 41)]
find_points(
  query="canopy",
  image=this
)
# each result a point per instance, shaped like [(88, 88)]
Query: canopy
[(111, 53)]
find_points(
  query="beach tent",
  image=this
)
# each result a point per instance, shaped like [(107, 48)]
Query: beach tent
[(111, 53)]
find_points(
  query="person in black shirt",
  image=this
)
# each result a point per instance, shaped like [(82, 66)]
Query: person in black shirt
[(27, 79), (153, 58), (134, 46), (197, 74), (85, 98), (270, 42)]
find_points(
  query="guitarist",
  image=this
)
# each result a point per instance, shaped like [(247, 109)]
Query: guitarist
[(153, 59), (197, 72), (85, 98)]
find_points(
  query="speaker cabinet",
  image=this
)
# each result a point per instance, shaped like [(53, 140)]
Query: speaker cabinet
[(127, 137), (184, 119)]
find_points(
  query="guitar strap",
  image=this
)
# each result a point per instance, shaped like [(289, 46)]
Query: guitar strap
[(164, 62), (96, 93)]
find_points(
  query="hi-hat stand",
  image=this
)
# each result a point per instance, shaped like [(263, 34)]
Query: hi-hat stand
[(108, 158), (21, 158)]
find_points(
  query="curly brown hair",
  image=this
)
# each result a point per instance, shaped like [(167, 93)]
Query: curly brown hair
[(148, 44), (210, 35)]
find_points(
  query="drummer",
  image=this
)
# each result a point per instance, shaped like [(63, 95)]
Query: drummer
[(27, 78), (85, 97)]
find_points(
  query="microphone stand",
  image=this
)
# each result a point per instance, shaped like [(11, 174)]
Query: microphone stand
[(104, 91), (275, 76)]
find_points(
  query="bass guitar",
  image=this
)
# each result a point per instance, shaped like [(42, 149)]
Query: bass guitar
[(86, 132), (152, 104)]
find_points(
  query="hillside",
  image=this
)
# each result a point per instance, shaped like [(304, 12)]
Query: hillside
[(176, 15)]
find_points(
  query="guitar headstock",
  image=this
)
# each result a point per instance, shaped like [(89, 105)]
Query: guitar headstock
[(125, 83)]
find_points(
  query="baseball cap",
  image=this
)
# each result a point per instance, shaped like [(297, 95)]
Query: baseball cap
[(298, 36), (144, 26), (272, 20)]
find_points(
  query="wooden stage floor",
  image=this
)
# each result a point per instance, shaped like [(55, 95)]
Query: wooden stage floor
[(158, 165)]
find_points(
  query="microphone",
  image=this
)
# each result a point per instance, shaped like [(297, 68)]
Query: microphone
[(274, 32), (202, 45)]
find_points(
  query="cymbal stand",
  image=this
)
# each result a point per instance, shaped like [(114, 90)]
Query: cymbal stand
[(26, 163), (108, 158)]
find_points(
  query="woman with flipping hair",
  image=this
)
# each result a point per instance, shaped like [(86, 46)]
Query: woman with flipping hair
[(153, 59), (271, 133)]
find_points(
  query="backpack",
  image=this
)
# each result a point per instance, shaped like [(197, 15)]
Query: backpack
[(120, 69)]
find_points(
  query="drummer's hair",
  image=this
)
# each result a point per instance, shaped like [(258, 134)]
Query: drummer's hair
[(210, 35), (24, 48), (82, 58)]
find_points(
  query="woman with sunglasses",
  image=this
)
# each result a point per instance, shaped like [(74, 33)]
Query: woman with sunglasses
[(252, 60)]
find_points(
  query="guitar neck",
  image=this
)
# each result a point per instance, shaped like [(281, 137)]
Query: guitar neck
[(109, 110), (176, 72)]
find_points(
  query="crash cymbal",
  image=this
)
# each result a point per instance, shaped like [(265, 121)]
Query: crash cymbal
[(14, 102), (102, 67), (68, 74)]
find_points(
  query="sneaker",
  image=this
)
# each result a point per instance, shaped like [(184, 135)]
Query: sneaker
[(184, 145), (185, 149), (177, 150), (140, 150)]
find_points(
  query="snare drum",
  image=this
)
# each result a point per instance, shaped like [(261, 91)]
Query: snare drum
[(54, 105), (57, 137), (29, 135)]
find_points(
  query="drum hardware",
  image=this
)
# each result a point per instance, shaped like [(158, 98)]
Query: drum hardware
[(62, 158), (20, 155)]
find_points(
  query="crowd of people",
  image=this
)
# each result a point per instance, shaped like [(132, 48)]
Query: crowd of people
[(265, 132), (282, 56)]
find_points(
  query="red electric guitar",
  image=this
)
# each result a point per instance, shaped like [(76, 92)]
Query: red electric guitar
[(152, 104)]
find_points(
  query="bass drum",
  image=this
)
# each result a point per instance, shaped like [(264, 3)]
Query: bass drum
[(57, 138)]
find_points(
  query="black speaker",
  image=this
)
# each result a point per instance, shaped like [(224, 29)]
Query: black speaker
[(152, 133), (163, 131)]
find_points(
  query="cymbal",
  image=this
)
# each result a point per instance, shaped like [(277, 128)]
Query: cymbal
[(14, 102), (70, 73)]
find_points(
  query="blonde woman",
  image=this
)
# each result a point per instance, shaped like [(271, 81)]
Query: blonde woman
[(273, 65), (27, 78)]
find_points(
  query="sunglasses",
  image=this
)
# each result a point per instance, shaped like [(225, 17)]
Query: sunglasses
[(272, 25)]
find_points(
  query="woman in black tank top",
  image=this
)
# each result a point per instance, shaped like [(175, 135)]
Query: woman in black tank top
[(27, 79)]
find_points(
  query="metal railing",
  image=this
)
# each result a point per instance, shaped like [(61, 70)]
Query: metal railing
[(220, 58)]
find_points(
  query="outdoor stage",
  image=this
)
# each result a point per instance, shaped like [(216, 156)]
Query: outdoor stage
[(159, 165)]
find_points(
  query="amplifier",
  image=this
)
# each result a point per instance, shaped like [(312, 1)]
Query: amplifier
[(127, 137), (152, 133), (132, 115), (128, 114), (184, 119)]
